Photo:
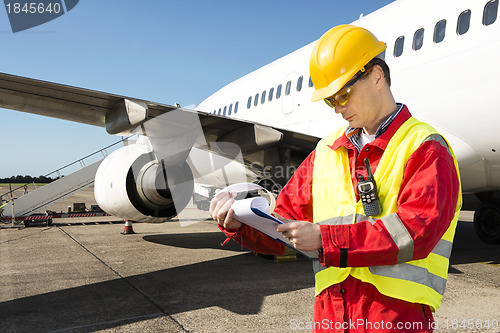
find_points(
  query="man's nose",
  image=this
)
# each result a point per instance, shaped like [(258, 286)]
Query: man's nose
[(339, 108)]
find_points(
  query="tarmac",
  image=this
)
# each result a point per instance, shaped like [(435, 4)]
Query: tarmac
[(82, 275)]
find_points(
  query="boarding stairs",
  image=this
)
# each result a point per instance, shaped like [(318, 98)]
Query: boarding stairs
[(61, 188)]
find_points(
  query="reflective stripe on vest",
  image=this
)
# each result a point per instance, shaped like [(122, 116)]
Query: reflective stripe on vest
[(419, 281)]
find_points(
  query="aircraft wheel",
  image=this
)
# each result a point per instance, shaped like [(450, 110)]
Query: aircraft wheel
[(487, 223), (203, 205)]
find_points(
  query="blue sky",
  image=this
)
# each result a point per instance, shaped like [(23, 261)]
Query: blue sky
[(163, 51)]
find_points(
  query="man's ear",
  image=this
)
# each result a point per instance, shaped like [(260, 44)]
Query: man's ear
[(378, 74)]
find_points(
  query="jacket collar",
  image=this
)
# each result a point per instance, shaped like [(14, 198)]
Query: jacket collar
[(384, 133)]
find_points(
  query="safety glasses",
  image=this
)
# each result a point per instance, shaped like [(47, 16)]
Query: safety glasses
[(342, 96)]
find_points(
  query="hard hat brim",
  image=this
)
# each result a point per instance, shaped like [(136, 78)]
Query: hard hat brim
[(333, 88)]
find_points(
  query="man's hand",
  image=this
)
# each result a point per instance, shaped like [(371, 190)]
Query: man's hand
[(305, 236), (220, 210)]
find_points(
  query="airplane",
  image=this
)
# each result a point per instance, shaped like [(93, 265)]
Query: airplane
[(262, 125)]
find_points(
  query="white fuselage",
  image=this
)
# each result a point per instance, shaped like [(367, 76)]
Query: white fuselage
[(449, 84)]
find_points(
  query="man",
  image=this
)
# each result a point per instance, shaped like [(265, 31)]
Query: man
[(382, 271)]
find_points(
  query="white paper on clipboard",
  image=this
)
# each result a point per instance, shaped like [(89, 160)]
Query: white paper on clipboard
[(255, 212)]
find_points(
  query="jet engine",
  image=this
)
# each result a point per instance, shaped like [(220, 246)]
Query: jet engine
[(132, 184)]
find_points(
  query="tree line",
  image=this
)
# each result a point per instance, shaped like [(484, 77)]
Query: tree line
[(27, 179)]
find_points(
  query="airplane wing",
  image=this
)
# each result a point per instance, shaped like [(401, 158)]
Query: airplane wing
[(71, 103), (121, 115)]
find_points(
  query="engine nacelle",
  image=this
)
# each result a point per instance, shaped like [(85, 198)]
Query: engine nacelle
[(131, 184)]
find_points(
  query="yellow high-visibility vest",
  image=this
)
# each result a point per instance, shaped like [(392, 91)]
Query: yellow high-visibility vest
[(334, 202)]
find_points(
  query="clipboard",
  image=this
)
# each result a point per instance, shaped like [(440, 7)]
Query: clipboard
[(254, 212), (312, 255)]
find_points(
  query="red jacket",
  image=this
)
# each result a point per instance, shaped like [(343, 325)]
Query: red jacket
[(426, 205)]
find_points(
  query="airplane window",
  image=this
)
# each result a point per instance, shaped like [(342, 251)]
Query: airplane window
[(288, 88), (418, 39), (311, 84), (249, 104), (271, 92), (398, 46), (463, 22), (490, 12), (263, 98), (299, 83), (236, 107), (256, 100), (230, 109), (439, 31), (278, 92), (224, 113), (220, 112)]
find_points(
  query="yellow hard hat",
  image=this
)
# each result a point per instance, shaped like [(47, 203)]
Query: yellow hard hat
[(338, 55)]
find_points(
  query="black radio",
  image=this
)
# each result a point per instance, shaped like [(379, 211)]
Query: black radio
[(368, 192)]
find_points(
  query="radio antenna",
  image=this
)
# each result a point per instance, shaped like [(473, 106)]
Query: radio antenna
[(368, 169)]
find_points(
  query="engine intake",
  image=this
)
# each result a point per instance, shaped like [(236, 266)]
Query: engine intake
[(158, 190), (133, 185)]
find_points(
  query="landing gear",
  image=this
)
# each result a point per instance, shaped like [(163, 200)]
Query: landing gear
[(203, 205), (487, 223), (270, 185)]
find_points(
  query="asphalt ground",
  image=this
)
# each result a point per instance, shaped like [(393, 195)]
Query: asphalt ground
[(82, 275)]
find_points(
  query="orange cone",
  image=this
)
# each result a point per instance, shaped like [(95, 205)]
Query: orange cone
[(128, 228)]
